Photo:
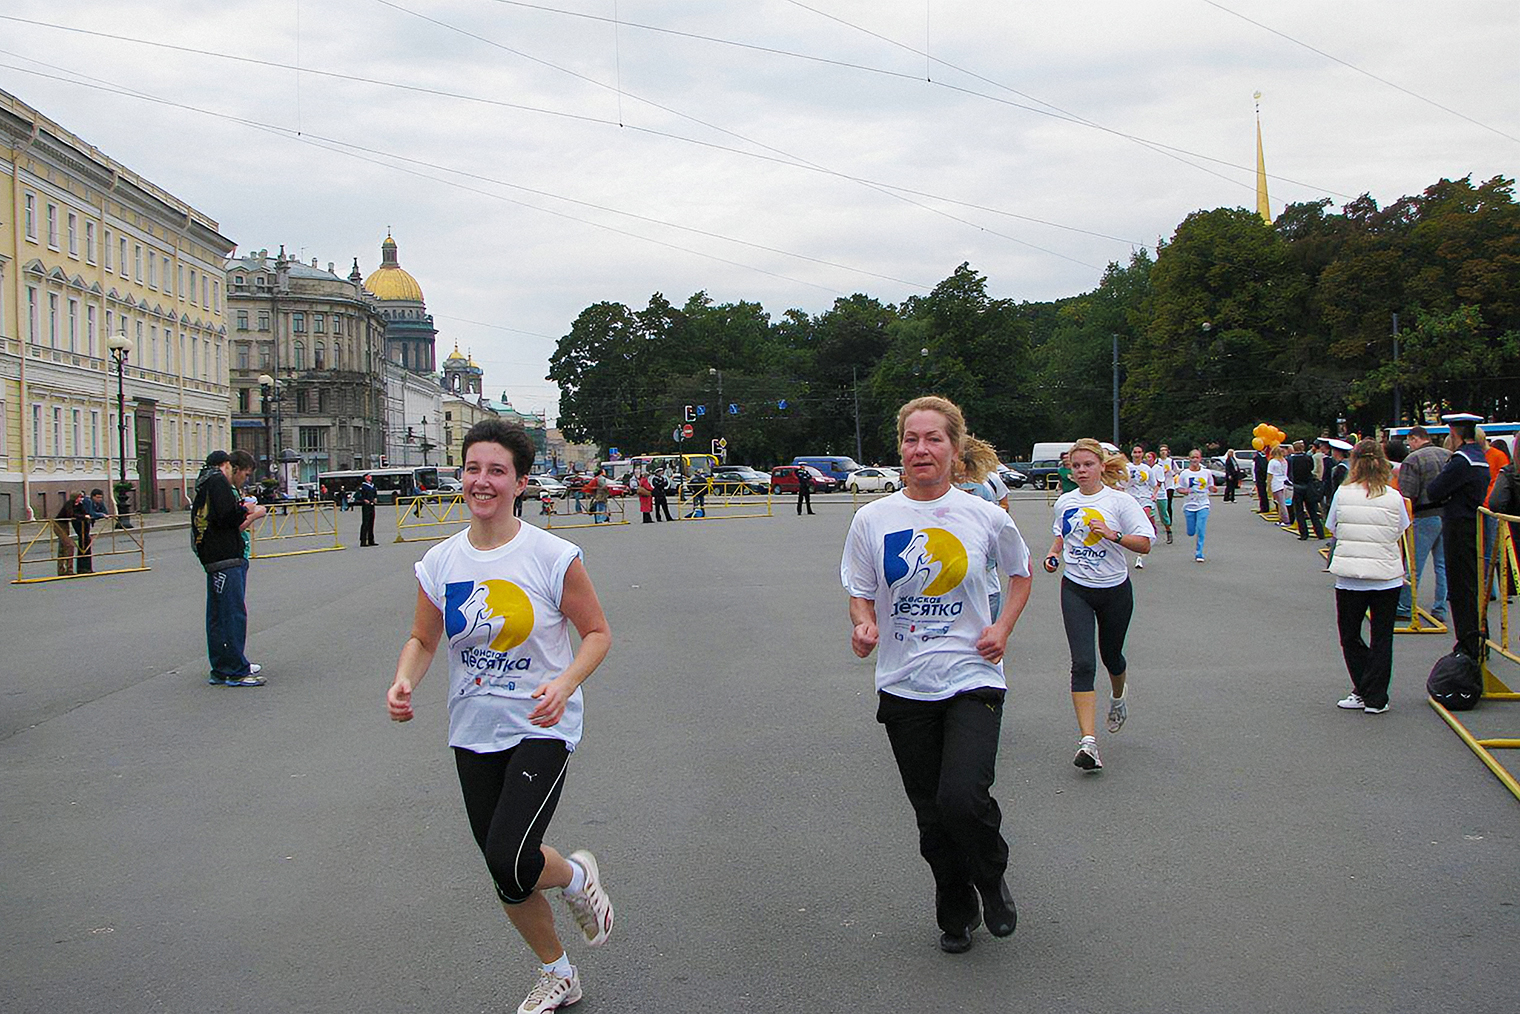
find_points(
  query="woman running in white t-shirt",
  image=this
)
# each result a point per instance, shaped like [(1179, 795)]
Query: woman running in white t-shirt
[(1196, 483), (1093, 524), (505, 594)]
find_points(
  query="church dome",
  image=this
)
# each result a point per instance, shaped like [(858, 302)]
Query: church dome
[(390, 280), (455, 356)]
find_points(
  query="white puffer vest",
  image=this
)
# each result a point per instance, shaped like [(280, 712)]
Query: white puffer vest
[(1368, 546)]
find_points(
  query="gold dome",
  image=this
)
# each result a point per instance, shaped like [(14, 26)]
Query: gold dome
[(454, 356), (390, 280)]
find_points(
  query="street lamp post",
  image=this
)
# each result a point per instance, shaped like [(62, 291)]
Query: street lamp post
[(266, 390), (425, 446), (120, 347)]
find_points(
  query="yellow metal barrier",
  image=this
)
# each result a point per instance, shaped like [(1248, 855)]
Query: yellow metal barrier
[(1421, 621), (314, 521), (431, 511), (729, 500), (615, 516), (1506, 567), (40, 547)]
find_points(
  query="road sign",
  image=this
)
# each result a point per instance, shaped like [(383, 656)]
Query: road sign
[(675, 434), (722, 441), (687, 430), (689, 414)]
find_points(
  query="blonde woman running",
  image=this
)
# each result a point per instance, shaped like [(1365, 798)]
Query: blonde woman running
[(1093, 524)]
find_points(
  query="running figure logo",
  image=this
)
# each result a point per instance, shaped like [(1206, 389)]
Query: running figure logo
[(498, 608), (934, 553), (1076, 524)]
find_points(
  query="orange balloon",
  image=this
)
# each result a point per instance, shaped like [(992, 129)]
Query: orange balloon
[(1258, 443), (1261, 430)]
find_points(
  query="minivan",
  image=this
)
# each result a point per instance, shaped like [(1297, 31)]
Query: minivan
[(836, 466)]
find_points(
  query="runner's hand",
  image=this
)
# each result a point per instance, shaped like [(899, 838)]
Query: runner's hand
[(863, 639), (398, 700), (991, 645), (552, 698), (1052, 562)]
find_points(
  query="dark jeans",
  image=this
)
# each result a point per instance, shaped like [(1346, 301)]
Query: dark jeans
[(1370, 666), (227, 620), (804, 496), (367, 524), (1306, 507), (947, 755), (1461, 538), (662, 506)]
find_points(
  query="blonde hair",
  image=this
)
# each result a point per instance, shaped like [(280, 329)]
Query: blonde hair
[(1370, 467), (1115, 465), (1279, 450), (955, 421), (978, 460)]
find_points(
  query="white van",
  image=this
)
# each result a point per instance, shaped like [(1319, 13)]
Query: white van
[(1050, 450)]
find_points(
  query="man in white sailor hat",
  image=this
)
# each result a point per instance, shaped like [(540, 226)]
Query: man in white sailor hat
[(1459, 489)]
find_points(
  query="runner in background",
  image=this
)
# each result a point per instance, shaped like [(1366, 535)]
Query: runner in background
[(1196, 483), (1169, 470), (1143, 482)]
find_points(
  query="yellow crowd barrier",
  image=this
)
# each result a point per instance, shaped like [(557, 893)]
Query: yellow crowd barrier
[(727, 501), (1504, 565), (430, 517), (616, 515), (313, 522), (1421, 621), (44, 546)]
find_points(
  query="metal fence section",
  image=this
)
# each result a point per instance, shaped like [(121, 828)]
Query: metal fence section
[(430, 517), (1503, 566), (295, 529), (47, 552), (727, 501), (1420, 621), (614, 515)]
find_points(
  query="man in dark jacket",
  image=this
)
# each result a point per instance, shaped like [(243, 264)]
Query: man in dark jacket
[(1259, 468), (217, 517), (804, 488), (1459, 488), (368, 494), (1306, 506), (1424, 463)]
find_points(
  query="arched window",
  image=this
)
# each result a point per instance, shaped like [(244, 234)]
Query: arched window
[(300, 355), (319, 356)]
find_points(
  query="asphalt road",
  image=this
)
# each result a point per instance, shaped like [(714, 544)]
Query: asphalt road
[(173, 847)]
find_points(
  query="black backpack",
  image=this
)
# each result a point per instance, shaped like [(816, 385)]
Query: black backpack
[(1455, 683)]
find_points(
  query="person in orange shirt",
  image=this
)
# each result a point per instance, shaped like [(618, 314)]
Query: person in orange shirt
[(1493, 451)]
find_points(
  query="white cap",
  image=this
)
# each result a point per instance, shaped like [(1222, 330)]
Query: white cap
[(1461, 417), (1340, 445)]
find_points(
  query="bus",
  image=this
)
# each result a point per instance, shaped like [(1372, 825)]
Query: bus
[(390, 483), (685, 465)]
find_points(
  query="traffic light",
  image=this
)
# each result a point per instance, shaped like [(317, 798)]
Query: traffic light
[(689, 415)]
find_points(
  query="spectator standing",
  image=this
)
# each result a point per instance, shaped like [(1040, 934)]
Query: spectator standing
[(1306, 506), (1233, 475), (368, 496), (1459, 488), (804, 488), (1259, 462), (1277, 476), (646, 498), (660, 486), (84, 542), (1423, 464), (599, 487), (63, 532), (216, 518), (1369, 519)]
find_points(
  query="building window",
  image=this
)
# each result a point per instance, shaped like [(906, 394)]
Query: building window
[(105, 249), (53, 319), (243, 400), (263, 357), (73, 235), (31, 217), (313, 439), (299, 359), (298, 323), (89, 328), (319, 323), (31, 315), (89, 242), (216, 295), (192, 285), (94, 432), (322, 401), (168, 283), (152, 271), (110, 321), (205, 293), (263, 320), (73, 325), (242, 356), (36, 429), (57, 432), (319, 356), (137, 270), (242, 320), (180, 271), (121, 248), (77, 432), (303, 402), (52, 226)]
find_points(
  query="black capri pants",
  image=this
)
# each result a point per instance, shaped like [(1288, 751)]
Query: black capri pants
[(1109, 609), (510, 798)]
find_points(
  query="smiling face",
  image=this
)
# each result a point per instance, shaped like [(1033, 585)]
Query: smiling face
[(1195, 459), (928, 453), (490, 480)]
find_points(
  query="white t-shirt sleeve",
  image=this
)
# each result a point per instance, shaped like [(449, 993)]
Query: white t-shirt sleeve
[(1012, 551), (857, 568), (427, 570), (1132, 519)]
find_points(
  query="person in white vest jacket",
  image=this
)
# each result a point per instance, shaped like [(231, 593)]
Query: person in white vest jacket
[(1368, 516)]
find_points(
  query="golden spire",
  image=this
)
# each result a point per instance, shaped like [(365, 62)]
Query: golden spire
[(1263, 205)]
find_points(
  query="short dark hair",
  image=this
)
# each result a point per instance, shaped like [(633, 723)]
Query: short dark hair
[(241, 460), (1396, 450), (509, 435), (1419, 431), (1468, 431), (97, 491)]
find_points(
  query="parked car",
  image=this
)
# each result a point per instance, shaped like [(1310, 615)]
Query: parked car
[(538, 485), (1012, 477), (447, 485), (873, 480), (836, 466), (740, 479), (1042, 473), (784, 479)]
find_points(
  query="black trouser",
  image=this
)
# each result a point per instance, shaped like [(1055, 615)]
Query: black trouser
[(367, 524), (1370, 666), (1461, 539), (1263, 494), (947, 755), (1306, 506), (661, 506), (804, 496), (1230, 486), (1107, 609), (510, 798)]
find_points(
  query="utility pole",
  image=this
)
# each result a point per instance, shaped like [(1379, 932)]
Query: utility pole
[(1398, 389), (855, 383), (1116, 390)]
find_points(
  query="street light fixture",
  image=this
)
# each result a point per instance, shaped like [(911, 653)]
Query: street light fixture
[(266, 389), (120, 347), (425, 446)]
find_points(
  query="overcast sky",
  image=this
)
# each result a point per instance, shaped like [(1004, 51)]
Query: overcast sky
[(574, 151)]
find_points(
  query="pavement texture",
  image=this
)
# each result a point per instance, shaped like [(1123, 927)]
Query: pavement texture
[(168, 846)]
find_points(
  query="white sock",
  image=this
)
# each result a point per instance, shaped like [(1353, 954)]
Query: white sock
[(1120, 695), (1088, 739), (577, 878), (561, 967)]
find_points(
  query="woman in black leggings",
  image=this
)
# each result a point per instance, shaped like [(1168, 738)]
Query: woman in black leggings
[(1094, 523)]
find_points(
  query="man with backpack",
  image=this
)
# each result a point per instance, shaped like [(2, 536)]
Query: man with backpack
[(217, 517)]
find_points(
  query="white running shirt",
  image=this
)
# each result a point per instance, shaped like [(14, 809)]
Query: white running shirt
[(924, 564), (1091, 559), (1197, 485), (506, 635)]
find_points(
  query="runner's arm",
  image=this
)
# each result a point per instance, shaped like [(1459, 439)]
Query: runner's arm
[(863, 635), (579, 604), (416, 656)]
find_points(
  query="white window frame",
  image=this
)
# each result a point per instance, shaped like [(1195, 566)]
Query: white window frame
[(192, 286), (57, 431), (89, 242), (37, 428), (52, 226), (77, 432), (152, 270), (31, 217), (137, 267), (94, 432), (73, 324), (53, 309), (73, 233), (122, 265), (91, 318), (33, 316), (105, 250), (181, 273)]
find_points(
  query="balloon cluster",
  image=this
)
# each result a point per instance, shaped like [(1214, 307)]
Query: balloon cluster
[(1267, 435)]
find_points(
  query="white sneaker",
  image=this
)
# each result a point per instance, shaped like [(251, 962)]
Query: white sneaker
[(1352, 702), (591, 908), (1087, 756), (551, 993), (1139, 564), (1118, 711)]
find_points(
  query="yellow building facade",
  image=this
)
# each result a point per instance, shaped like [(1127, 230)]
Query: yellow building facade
[(88, 250)]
